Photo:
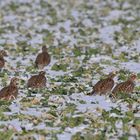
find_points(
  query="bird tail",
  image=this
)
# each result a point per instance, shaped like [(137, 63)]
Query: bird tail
[(91, 93)]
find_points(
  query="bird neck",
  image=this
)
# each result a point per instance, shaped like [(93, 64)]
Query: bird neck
[(41, 74), (131, 80), (45, 50), (13, 84), (111, 77)]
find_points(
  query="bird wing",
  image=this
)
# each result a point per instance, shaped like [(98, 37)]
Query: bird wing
[(4, 92), (124, 87), (31, 81), (41, 81), (129, 86), (43, 58), (38, 58), (104, 84), (1, 62)]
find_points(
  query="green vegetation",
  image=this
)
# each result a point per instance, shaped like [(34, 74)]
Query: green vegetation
[(86, 41)]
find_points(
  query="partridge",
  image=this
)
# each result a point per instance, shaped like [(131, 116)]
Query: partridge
[(104, 86), (125, 87), (37, 81), (43, 58), (11, 91), (2, 61)]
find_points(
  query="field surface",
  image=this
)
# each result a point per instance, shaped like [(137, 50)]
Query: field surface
[(86, 39)]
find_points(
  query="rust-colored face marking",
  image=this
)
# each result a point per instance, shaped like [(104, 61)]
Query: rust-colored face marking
[(133, 77)]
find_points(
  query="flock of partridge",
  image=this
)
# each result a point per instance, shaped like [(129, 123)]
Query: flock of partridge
[(103, 86), (37, 81)]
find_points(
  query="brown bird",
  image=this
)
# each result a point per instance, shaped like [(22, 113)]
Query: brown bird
[(37, 81), (43, 58), (11, 91), (2, 61), (104, 86), (125, 87)]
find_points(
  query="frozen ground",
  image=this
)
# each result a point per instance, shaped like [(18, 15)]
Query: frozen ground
[(87, 39)]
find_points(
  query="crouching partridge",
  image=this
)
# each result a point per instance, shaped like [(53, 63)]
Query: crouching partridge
[(125, 87), (37, 81), (104, 86)]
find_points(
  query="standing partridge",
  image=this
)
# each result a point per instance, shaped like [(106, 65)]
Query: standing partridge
[(37, 81), (43, 58), (125, 87), (104, 86), (2, 61), (11, 91)]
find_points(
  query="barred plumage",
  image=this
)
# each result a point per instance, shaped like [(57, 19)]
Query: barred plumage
[(37, 81), (104, 86), (125, 87)]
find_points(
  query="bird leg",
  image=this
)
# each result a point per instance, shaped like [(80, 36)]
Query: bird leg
[(12, 96), (113, 96)]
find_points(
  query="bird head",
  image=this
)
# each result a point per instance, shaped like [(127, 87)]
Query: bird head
[(133, 76), (14, 81), (44, 48)]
